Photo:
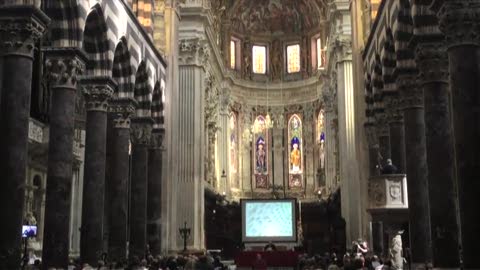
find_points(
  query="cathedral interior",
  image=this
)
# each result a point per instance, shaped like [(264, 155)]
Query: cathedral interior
[(137, 128)]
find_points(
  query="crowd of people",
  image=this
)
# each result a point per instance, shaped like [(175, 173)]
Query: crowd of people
[(357, 257), (177, 262)]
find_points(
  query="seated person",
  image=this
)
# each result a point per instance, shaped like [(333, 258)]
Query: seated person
[(270, 247), (259, 263)]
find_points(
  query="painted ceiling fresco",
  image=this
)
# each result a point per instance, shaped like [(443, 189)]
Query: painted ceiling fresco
[(274, 16)]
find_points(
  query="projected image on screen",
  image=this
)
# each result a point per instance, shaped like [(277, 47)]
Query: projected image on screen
[(268, 220)]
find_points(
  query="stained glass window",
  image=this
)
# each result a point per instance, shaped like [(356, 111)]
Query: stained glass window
[(293, 58), (321, 137), (232, 54), (260, 152), (295, 151), (259, 59), (233, 146)]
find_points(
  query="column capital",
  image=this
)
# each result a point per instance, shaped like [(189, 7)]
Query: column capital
[(371, 134), (411, 96), (381, 126), (459, 22), (122, 109), (97, 91), (156, 140), (392, 108), (63, 66), (141, 130), (193, 51), (20, 28), (432, 62)]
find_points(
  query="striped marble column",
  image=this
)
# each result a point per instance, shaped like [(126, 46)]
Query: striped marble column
[(98, 90), (21, 27), (459, 23), (141, 128)]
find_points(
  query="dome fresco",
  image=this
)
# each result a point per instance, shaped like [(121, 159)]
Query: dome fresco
[(275, 17)]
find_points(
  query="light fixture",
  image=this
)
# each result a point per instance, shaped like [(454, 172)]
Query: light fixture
[(224, 180), (268, 119)]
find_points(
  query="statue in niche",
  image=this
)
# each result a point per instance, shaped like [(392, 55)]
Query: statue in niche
[(322, 151), (396, 252), (276, 60), (304, 56), (247, 69), (295, 156)]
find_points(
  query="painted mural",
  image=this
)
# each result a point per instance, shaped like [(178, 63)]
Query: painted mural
[(274, 16)]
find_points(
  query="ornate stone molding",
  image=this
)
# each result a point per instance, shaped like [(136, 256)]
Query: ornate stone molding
[(432, 62), (97, 91), (328, 101), (20, 28), (212, 97), (459, 22), (63, 66), (388, 191), (141, 131), (123, 109), (193, 51)]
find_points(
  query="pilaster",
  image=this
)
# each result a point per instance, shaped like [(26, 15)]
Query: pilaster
[(191, 141)]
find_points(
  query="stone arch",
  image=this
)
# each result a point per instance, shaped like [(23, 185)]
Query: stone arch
[(377, 85), (95, 43), (122, 70), (157, 106), (65, 29), (388, 63), (142, 91), (368, 96), (405, 62)]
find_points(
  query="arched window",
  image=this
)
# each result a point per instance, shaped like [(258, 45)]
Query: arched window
[(233, 149), (295, 151), (321, 137), (260, 153)]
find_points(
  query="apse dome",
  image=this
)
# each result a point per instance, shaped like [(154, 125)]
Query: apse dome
[(276, 17), (276, 40)]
